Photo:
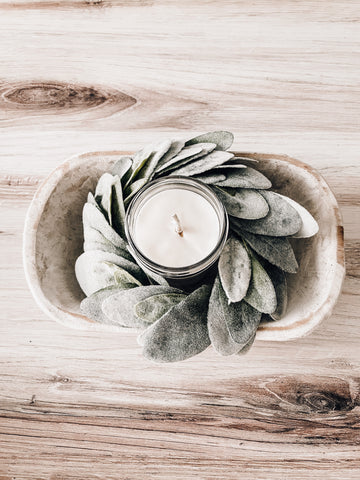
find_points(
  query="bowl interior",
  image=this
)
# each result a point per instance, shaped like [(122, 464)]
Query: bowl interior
[(53, 239)]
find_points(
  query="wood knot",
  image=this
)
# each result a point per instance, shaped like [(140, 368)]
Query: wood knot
[(323, 402), (313, 394), (57, 96)]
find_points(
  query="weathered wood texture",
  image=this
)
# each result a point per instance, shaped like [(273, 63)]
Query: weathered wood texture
[(97, 75)]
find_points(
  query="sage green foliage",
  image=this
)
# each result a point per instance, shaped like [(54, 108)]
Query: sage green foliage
[(222, 139), (243, 203), (234, 269), (117, 207), (188, 154), (210, 178), (219, 333), (251, 282), (231, 326), (97, 269), (91, 305), (176, 146), (242, 322), (93, 218), (103, 194), (261, 293), (203, 164), (277, 250), (152, 308), (94, 240), (182, 332), (149, 167), (109, 199), (145, 162), (281, 221), (244, 178), (119, 308), (278, 279), (248, 346), (122, 166)]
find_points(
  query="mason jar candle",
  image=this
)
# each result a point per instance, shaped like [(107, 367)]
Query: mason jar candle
[(177, 227)]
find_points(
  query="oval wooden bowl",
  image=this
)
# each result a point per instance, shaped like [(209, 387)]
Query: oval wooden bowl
[(53, 240)]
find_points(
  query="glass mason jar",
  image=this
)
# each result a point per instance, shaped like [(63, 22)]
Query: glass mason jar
[(189, 276)]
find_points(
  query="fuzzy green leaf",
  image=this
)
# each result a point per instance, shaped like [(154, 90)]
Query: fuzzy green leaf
[(234, 270), (243, 203), (277, 250), (119, 308), (94, 219), (244, 178), (309, 225), (217, 313), (187, 155), (94, 271), (182, 332), (152, 308), (261, 294), (281, 221), (91, 306), (222, 139), (203, 164)]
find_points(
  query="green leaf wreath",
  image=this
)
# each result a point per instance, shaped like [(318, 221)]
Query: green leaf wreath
[(250, 283)]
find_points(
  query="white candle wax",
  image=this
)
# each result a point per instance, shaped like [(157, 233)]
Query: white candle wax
[(158, 236)]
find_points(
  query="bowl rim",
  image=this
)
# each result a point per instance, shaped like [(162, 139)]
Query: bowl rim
[(268, 332)]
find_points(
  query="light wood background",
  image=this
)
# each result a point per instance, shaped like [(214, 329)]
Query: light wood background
[(77, 76)]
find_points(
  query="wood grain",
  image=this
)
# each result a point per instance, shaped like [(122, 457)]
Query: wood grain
[(81, 76)]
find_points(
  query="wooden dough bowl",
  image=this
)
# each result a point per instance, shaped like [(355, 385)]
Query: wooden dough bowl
[(53, 240)]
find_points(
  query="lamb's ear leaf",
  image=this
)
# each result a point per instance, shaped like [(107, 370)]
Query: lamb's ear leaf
[(277, 250), (118, 207), (281, 221), (278, 279), (203, 164), (91, 306), (218, 331), (91, 199), (243, 203), (223, 139), (132, 190), (176, 146), (182, 332), (119, 308), (242, 322), (210, 177), (231, 326), (96, 269), (187, 155), (219, 334), (160, 149), (92, 217), (261, 294), (244, 178), (247, 347), (103, 194), (234, 269), (153, 308), (139, 160), (309, 225), (94, 240), (122, 166)]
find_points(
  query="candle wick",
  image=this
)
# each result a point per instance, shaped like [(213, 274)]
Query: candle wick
[(178, 228)]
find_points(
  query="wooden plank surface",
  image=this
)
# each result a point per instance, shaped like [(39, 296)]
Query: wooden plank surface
[(94, 75)]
